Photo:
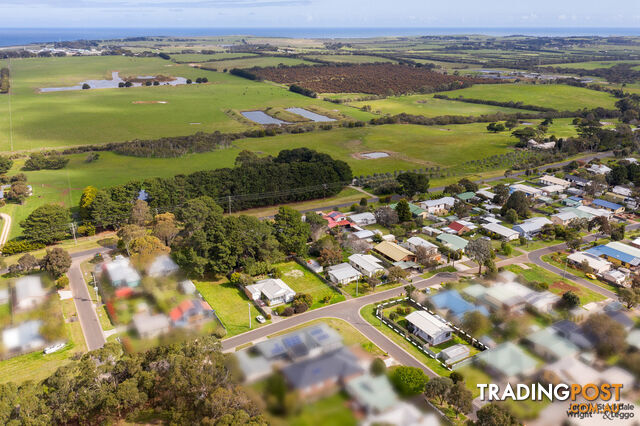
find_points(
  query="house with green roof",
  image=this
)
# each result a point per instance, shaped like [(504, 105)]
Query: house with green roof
[(452, 241), (466, 196), (373, 394), (507, 361), (416, 211), (550, 345)]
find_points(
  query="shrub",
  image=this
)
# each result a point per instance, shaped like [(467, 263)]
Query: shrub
[(13, 247), (62, 282), (300, 307), (87, 230), (287, 312)]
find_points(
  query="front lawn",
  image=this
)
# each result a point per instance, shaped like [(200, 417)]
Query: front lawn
[(302, 280), (332, 410), (557, 284), (577, 272), (231, 305)]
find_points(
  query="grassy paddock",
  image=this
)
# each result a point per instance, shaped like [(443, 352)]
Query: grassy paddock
[(303, 281)]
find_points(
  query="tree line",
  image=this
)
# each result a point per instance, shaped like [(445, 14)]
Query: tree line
[(4, 80)]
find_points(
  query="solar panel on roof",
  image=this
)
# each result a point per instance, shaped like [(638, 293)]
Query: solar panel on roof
[(290, 341)]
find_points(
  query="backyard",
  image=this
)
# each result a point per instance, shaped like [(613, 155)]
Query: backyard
[(302, 280)]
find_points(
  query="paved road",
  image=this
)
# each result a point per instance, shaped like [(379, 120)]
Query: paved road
[(6, 227), (91, 328)]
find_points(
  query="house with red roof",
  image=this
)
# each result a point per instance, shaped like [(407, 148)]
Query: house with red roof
[(459, 228), (191, 312), (335, 218)]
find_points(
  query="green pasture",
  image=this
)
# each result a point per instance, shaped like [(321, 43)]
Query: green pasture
[(351, 59), (429, 106), (557, 96), (94, 116), (202, 57), (592, 65)]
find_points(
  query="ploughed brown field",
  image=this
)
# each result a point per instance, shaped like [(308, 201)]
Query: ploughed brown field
[(377, 79)]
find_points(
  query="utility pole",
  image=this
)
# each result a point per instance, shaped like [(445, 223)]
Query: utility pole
[(564, 272), (249, 304), (72, 225), (357, 282)]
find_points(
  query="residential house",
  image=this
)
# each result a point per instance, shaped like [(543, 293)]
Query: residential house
[(621, 190), (343, 273), (335, 218), (552, 180), (542, 301), (486, 194), (563, 218), (457, 228), (501, 231), (365, 234), (466, 196), (430, 328), (416, 211), (454, 353), (314, 266), (324, 374), (452, 241), (187, 287), (616, 277), (618, 254), (636, 242), (308, 342), (621, 318), (368, 265), (532, 226), (253, 368), (550, 345), (552, 189), (439, 206), (23, 337), (191, 312), (394, 252), (509, 297), (162, 266), (529, 191), (5, 296), (372, 394), (363, 219), (608, 205), (150, 326), (402, 414), (577, 180), (431, 249), (507, 361), (428, 230), (28, 292), (273, 290), (451, 303), (595, 212), (599, 169), (597, 264), (572, 201), (121, 273), (573, 333)]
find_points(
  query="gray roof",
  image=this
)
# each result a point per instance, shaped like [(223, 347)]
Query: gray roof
[(508, 359), (343, 271), (145, 323), (553, 343), (4, 296), (29, 286), (162, 265), (300, 342), (337, 364), (428, 323), (272, 288), (121, 271), (24, 335)]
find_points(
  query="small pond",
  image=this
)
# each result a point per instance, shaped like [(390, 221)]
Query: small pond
[(310, 115), (374, 155), (261, 117), (113, 83)]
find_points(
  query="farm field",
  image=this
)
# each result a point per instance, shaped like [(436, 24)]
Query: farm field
[(429, 106), (557, 96), (352, 59), (110, 115), (202, 57), (592, 65), (257, 61)]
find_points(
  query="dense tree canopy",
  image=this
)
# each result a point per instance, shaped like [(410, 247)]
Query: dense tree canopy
[(46, 224)]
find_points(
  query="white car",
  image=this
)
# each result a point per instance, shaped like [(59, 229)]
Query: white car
[(54, 348), (260, 319)]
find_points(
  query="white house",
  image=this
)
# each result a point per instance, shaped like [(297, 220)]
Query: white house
[(532, 226), (441, 205), (487, 194), (162, 266), (553, 189), (273, 290), (367, 264), (598, 264), (121, 273), (563, 218), (552, 180), (529, 191), (363, 219), (615, 276), (343, 273), (364, 234), (29, 292), (23, 337), (599, 169), (621, 190), (504, 232), (429, 327)]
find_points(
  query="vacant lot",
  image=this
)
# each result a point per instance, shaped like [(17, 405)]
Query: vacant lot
[(231, 305), (429, 106), (379, 79), (81, 117), (557, 96), (303, 281)]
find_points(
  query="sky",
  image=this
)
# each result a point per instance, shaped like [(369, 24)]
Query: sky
[(319, 13)]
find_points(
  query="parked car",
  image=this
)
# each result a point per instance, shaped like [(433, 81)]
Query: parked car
[(260, 319), (591, 276)]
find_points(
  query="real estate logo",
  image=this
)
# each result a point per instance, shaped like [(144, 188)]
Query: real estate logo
[(587, 400)]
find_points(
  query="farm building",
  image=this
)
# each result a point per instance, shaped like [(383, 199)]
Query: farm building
[(343, 273), (394, 252), (273, 290), (430, 328)]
